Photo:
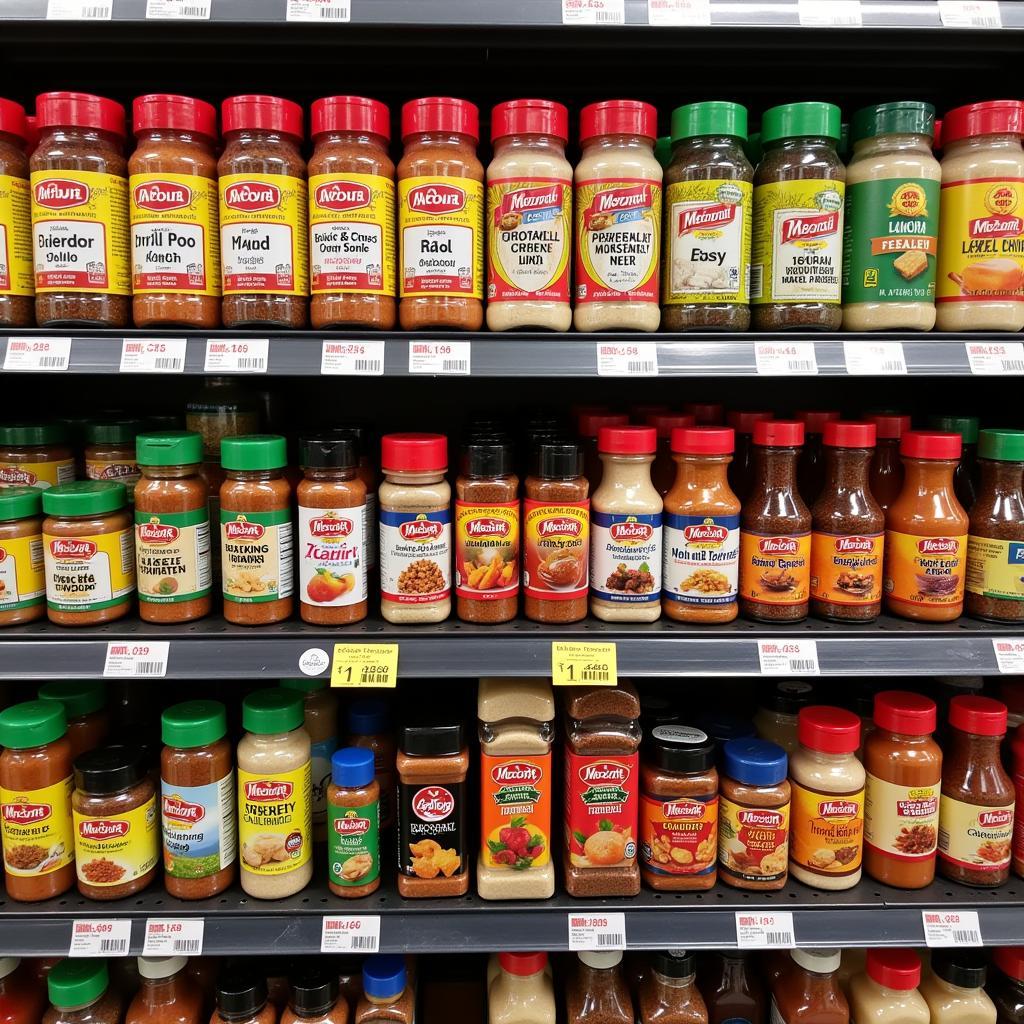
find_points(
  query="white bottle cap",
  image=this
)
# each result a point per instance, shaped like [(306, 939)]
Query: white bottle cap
[(158, 967), (820, 961), (602, 961)]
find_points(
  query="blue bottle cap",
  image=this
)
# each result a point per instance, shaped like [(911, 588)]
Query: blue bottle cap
[(367, 716), (352, 767), (755, 762), (384, 976)]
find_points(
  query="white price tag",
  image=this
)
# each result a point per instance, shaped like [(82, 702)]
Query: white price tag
[(109, 937), (638, 359), (1009, 654), (352, 358), (785, 358), (593, 12), (951, 928), (597, 931), (319, 10), (237, 355), (352, 933), (817, 13), (874, 358), (678, 12), (440, 357), (788, 657), (178, 10), (970, 14), (127, 658), (37, 354), (153, 355), (765, 931), (79, 10), (994, 358), (173, 936)]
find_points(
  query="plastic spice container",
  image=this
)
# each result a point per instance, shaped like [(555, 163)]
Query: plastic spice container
[(256, 530), (368, 724), (80, 993), (799, 185), (80, 212), (314, 999), (35, 455), (264, 235), (387, 992), (174, 216), (954, 988), (966, 476), (807, 989), (668, 992), (22, 580), (110, 452), (598, 988), (708, 207), (827, 818), (741, 467), (197, 784), (887, 990), (17, 284), (351, 214), (981, 267), (810, 473), (415, 529), (117, 834), (529, 217), (885, 476), (522, 991), (353, 824), (1006, 986), (85, 709), (242, 998), (169, 992), (89, 552), (320, 710), (440, 216), (618, 218)]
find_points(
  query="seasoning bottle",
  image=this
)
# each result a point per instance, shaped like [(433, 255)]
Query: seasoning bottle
[(597, 991), (522, 990), (1006, 985), (440, 216), (618, 218), (954, 987), (602, 790), (979, 286), (775, 529), (314, 999), (172, 528), (588, 426), (679, 787), (887, 990), (529, 217), (353, 824), (926, 533), (663, 470), (741, 467), (487, 555), (708, 206), (320, 714), (35, 455), (733, 991), (256, 530), (175, 234), (110, 452), (351, 215), (242, 998), (80, 217), (197, 784), (807, 991), (168, 993), (827, 817), (886, 473), (810, 472), (778, 710), (977, 804), (388, 994), (415, 529), (332, 530), (369, 725), (85, 710), (17, 284), (264, 235), (80, 992), (796, 265), (35, 793), (995, 542), (22, 580), (668, 991), (966, 476), (22, 994), (117, 833)]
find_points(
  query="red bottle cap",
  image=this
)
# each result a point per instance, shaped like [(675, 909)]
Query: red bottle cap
[(174, 113), (779, 433), (743, 420), (666, 422), (12, 119), (441, 114), (618, 117), (894, 968), (413, 453), (830, 730), (982, 716), (1010, 960), (909, 714), (889, 425), (704, 440), (627, 440), (925, 444), (706, 414), (523, 964), (993, 117), (31, 133), (79, 110), (591, 422), (530, 117), (846, 434), (814, 420), (350, 114), (270, 113)]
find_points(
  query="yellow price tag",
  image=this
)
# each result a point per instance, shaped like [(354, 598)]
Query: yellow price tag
[(583, 664), (365, 665)]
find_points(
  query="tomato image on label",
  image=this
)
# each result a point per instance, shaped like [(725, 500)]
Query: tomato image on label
[(515, 806), (332, 555)]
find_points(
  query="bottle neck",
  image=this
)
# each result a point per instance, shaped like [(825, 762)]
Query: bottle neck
[(925, 476), (1003, 478), (253, 475), (847, 468), (973, 746), (365, 140), (774, 468), (450, 139), (159, 135), (619, 142), (704, 472), (168, 472), (512, 143), (328, 473)]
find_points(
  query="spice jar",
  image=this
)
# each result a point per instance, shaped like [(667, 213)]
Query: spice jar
[(22, 580), (175, 233), (1006, 985), (954, 987), (264, 235), (117, 835), (242, 998), (521, 988), (618, 218), (807, 989), (981, 267), (796, 269), (440, 216), (966, 475), (887, 990), (366, 470), (741, 468), (598, 988), (351, 214), (810, 472), (353, 824), (89, 553), (778, 711), (35, 455), (80, 212), (80, 993), (314, 999), (110, 452), (885, 476), (85, 710), (708, 206), (733, 990), (663, 470), (368, 723), (589, 425), (320, 707), (387, 992), (668, 991), (17, 281), (169, 992)]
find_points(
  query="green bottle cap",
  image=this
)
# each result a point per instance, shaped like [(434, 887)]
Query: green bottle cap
[(907, 117), (20, 503), (795, 120), (33, 433), (170, 448), (84, 498), (78, 696), (306, 685), (74, 983), (113, 431), (254, 452), (714, 117), (663, 150), (1001, 445), (965, 426), (194, 723), (32, 724), (272, 711)]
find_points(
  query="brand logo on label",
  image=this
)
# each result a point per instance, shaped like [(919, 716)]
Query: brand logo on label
[(909, 200), (155, 532), (705, 216), (516, 772), (633, 197), (265, 791), (683, 809), (14, 475), (603, 771), (242, 529), (853, 545), (181, 810), (777, 546), (421, 530), (351, 826), (526, 199), (436, 199), (342, 195), (560, 526), (65, 547), (995, 819), (160, 196), (804, 227), (631, 532), (61, 194), (487, 526), (433, 803), (706, 533), (837, 809), (1001, 198), (995, 227), (331, 526), (25, 814), (98, 829), (252, 196), (938, 545), (760, 819)]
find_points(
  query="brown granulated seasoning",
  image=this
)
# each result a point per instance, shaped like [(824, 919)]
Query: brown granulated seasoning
[(16, 302), (102, 871), (25, 858)]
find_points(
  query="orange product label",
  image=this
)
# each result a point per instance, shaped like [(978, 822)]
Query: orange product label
[(556, 549), (679, 836), (486, 550), (975, 837), (601, 809), (827, 831), (515, 811), (775, 569), (753, 842), (925, 571), (847, 568), (901, 822)]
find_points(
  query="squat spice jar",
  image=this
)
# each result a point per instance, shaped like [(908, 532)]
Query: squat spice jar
[(22, 580), (16, 283), (353, 824), (35, 455), (110, 452)]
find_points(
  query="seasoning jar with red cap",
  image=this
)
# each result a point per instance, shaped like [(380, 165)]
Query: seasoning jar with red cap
[(618, 218), (663, 472), (1006, 984), (172, 204), (264, 233), (977, 804), (80, 212), (706, 414), (885, 476), (625, 529), (589, 423), (440, 216), (351, 215), (810, 472), (742, 422), (529, 217), (16, 284), (522, 980), (887, 988)]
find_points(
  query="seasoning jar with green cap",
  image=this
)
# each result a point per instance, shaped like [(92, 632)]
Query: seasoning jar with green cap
[(79, 990), (995, 540), (256, 530), (799, 185), (275, 799), (172, 528), (89, 553), (965, 476), (22, 581), (708, 200), (890, 238), (110, 452), (35, 455), (85, 708)]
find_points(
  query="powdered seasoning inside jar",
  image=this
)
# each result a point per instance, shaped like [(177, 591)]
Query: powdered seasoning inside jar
[(17, 285)]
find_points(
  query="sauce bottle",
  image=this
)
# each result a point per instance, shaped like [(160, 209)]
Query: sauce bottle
[(663, 471), (953, 988), (886, 474), (807, 991), (168, 993), (887, 990), (965, 479), (811, 473), (1006, 984), (668, 993), (387, 994), (597, 992), (522, 991), (733, 992), (741, 468)]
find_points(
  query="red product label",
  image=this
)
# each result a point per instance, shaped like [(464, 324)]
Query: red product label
[(601, 809), (556, 549), (679, 836), (182, 810), (161, 196)]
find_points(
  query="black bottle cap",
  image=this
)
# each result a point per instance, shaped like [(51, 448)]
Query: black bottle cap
[(963, 967), (560, 460), (314, 992), (438, 738), (790, 695), (329, 449), (488, 457), (240, 992), (682, 748), (109, 769), (675, 963)]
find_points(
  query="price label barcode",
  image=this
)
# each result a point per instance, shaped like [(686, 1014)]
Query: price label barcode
[(352, 358), (1010, 653), (874, 358), (678, 12), (639, 359), (350, 934), (593, 12), (970, 14), (583, 664), (951, 928), (153, 355), (785, 358), (237, 355), (319, 10), (173, 937), (37, 354), (788, 658), (110, 937), (765, 931), (597, 931), (440, 357), (834, 13), (369, 665), (78, 10), (178, 10), (988, 358), (131, 660)]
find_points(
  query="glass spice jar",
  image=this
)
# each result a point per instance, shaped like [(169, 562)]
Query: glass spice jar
[(810, 470), (85, 709), (741, 468), (35, 455), (885, 477), (22, 581), (17, 283), (110, 452)]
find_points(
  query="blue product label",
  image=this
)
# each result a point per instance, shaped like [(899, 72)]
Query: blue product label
[(198, 827), (702, 559), (415, 555), (625, 557), (321, 765)]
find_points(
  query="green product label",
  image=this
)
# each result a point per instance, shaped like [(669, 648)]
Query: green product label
[(256, 555), (353, 843), (172, 555), (890, 241)]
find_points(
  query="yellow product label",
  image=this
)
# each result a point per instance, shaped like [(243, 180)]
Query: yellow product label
[(119, 848), (995, 568), (487, 550), (15, 237), (441, 237), (707, 235), (775, 569), (275, 814), (80, 232), (352, 234), (126, 473), (84, 574), (827, 831), (847, 568), (264, 234), (36, 826), (22, 580), (975, 837), (175, 237), (925, 571), (901, 822), (370, 665), (753, 842), (37, 474), (981, 245)]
